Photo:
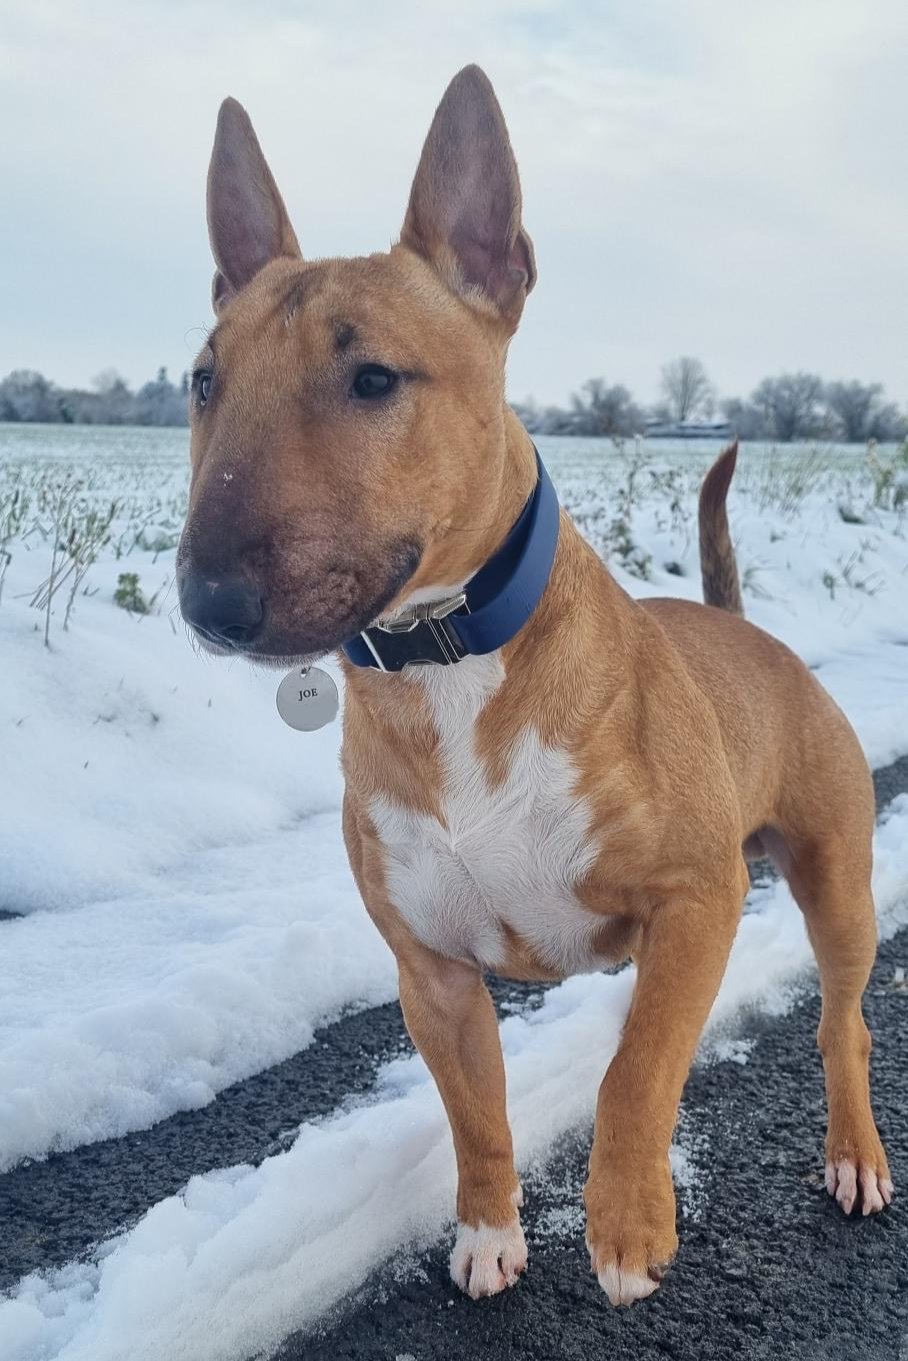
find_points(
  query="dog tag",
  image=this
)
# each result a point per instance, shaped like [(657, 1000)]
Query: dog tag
[(307, 699)]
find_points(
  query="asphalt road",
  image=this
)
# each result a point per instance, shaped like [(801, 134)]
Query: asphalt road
[(768, 1266)]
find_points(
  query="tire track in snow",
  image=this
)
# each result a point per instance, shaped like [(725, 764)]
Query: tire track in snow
[(54, 1210)]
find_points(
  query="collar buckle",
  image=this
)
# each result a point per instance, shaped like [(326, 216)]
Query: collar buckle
[(422, 634), (426, 612)]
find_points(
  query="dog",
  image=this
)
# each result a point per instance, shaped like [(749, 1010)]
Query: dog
[(582, 785)]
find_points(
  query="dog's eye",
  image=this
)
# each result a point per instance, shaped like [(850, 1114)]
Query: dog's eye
[(203, 385), (372, 380)]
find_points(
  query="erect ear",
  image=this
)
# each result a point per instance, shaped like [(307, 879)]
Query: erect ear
[(464, 211), (247, 220)]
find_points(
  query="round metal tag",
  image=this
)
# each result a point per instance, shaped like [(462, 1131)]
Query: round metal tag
[(307, 699)]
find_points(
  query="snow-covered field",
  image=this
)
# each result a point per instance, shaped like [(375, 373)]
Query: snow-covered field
[(188, 915)]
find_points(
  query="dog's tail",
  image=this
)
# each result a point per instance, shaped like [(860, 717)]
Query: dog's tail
[(718, 568)]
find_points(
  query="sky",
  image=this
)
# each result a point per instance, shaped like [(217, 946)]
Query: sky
[(699, 177)]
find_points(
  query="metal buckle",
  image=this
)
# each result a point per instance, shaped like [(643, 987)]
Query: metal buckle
[(430, 616), (426, 612)]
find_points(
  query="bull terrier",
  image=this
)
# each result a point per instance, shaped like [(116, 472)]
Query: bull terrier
[(543, 775)]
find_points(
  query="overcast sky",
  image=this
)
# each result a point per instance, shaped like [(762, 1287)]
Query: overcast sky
[(722, 179)]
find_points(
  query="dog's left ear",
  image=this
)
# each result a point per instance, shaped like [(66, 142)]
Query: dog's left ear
[(464, 211), (247, 222)]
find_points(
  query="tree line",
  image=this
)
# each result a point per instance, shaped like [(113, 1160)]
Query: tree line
[(789, 406), (28, 396)]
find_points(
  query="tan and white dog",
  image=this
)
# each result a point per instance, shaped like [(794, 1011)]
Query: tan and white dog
[(588, 792)]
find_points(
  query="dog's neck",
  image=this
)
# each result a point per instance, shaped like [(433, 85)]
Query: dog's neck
[(507, 493), (466, 545), (442, 624), (554, 636)]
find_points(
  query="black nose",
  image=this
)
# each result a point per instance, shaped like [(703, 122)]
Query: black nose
[(225, 609)]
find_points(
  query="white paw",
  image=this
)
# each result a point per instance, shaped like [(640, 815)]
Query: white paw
[(844, 1181), (486, 1260), (624, 1287)]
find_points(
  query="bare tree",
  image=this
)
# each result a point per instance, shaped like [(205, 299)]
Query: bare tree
[(605, 409), (160, 403), (27, 396), (860, 412), (116, 399), (746, 420), (887, 424), (686, 388), (790, 405)]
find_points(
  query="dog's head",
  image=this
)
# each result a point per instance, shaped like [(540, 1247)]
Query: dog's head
[(347, 415)]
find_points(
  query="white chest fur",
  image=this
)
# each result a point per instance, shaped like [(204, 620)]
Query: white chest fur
[(505, 857)]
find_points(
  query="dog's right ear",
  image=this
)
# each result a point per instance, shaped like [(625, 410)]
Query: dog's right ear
[(247, 222)]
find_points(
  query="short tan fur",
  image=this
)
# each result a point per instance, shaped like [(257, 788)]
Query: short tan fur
[(676, 740)]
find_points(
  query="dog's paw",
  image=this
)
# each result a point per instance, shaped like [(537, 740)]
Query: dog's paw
[(486, 1260), (626, 1269), (630, 1232), (859, 1182), (624, 1286)]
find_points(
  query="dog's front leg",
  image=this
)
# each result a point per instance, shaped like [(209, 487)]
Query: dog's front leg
[(630, 1202), (451, 1020)]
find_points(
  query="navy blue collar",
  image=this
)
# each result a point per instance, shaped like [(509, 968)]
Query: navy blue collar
[(491, 610)]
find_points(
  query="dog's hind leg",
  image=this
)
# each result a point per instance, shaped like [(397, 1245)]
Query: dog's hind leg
[(830, 880)]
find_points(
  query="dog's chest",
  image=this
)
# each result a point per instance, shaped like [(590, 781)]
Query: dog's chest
[(505, 861)]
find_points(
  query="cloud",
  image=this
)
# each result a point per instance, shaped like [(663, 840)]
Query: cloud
[(723, 180)]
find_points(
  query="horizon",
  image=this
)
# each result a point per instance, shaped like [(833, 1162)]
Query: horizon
[(679, 202), (655, 409)]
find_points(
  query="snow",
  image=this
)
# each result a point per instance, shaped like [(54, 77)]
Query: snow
[(245, 1255), (190, 915), (190, 918), (730, 1050), (117, 1014)]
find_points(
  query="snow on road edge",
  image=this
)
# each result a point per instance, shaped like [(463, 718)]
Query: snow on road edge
[(114, 1016)]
